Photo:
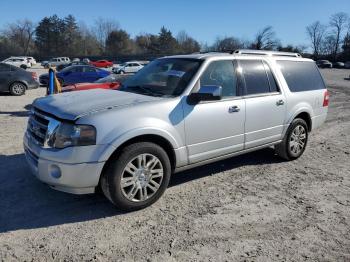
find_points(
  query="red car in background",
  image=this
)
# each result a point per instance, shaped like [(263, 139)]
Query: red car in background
[(101, 63), (108, 82)]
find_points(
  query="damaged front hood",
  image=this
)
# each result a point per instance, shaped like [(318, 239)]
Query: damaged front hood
[(73, 105)]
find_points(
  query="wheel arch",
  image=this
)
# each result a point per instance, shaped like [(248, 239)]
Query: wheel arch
[(18, 81), (153, 138), (306, 117), (156, 139)]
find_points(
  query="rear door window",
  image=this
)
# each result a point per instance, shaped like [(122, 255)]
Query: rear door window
[(301, 76), (255, 76), (89, 69)]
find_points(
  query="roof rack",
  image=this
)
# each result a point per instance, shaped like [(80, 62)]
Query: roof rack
[(263, 52)]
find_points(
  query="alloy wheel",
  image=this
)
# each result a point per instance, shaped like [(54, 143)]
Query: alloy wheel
[(142, 177), (18, 89), (297, 140)]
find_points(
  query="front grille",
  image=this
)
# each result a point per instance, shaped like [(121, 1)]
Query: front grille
[(37, 126)]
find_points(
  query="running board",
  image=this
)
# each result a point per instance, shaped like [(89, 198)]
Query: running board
[(215, 159)]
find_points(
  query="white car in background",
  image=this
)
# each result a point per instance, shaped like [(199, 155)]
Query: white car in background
[(18, 61), (127, 67), (30, 59)]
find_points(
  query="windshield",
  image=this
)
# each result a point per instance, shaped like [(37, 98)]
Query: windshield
[(163, 77)]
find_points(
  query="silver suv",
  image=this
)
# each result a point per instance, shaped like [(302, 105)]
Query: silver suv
[(176, 113)]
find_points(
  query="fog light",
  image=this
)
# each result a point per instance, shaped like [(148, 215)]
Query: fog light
[(55, 171)]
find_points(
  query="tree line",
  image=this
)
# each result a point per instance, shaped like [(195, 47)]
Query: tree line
[(55, 36), (331, 40)]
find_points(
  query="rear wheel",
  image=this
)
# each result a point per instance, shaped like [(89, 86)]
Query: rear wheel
[(294, 141), (137, 177), (23, 67), (17, 89)]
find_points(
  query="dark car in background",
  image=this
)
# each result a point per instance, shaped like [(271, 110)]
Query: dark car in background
[(324, 64), (62, 66), (76, 74), (338, 65), (16, 80)]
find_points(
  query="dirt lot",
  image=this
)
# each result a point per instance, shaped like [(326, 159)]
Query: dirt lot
[(249, 208)]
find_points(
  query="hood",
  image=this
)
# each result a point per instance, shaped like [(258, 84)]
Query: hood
[(73, 105)]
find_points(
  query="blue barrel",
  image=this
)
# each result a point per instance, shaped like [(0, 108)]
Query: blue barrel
[(51, 81)]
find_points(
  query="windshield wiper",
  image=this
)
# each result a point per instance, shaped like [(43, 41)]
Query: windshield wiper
[(144, 90)]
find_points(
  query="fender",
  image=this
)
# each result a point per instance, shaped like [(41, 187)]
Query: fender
[(135, 133), (297, 109)]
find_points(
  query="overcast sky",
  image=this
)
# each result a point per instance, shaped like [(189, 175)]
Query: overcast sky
[(204, 20)]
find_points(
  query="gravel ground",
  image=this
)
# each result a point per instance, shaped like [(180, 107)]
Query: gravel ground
[(249, 208)]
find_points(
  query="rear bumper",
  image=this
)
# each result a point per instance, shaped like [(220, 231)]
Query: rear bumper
[(33, 85), (318, 120)]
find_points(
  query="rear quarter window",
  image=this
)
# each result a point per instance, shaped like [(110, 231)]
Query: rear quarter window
[(301, 76)]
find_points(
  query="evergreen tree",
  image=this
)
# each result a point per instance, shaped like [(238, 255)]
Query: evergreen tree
[(167, 43), (118, 42)]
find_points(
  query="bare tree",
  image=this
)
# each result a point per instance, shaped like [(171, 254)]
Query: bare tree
[(265, 39), (103, 27), (316, 32), (89, 44), (21, 34), (227, 44), (187, 44), (338, 22)]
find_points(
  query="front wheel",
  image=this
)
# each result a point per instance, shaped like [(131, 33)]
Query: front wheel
[(137, 177), (294, 142)]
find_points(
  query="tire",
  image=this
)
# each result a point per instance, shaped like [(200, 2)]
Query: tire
[(17, 89), (23, 67), (122, 72), (295, 140), (145, 167)]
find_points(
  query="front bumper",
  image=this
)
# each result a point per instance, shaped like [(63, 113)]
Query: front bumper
[(75, 178)]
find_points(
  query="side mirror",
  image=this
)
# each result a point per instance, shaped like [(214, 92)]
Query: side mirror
[(206, 93)]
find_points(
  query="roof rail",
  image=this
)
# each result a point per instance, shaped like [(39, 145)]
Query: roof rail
[(263, 52)]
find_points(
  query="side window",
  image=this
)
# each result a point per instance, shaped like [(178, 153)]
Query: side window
[(301, 76), (79, 69), (89, 69), (221, 73), (255, 77), (271, 78)]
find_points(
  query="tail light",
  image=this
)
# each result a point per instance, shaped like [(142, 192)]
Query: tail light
[(326, 98), (34, 76)]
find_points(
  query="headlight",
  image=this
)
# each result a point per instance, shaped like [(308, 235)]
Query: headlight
[(73, 135)]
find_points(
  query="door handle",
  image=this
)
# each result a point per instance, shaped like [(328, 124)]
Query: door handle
[(280, 102), (233, 109)]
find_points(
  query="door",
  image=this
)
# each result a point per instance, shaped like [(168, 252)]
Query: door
[(89, 74), (128, 68), (74, 75), (5, 76), (265, 104), (216, 128)]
